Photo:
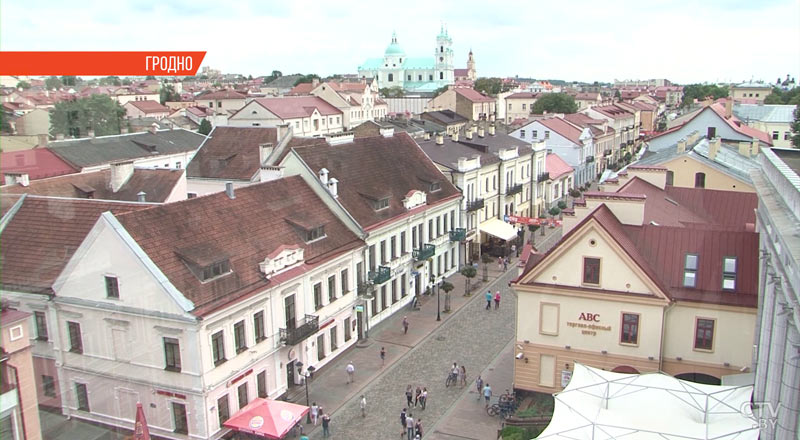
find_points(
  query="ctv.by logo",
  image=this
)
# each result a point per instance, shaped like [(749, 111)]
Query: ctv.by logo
[(765, 414)]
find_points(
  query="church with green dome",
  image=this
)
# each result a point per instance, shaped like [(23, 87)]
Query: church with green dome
[(413, 74)]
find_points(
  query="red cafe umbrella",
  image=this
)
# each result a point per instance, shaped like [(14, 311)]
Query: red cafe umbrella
[(267, 418), (140, 429)]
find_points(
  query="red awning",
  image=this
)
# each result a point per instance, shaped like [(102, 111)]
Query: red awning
[(267, 418)]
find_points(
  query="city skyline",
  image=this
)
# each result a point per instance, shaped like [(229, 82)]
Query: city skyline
[(584, 42)]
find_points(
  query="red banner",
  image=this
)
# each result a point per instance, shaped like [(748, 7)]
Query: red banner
[(101, 63), (532, 221)]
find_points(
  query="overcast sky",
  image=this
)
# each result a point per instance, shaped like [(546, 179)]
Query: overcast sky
[(584, 40)]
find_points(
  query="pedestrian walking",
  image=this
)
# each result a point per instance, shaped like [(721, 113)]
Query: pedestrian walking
[(423, 399), (505, 264), (405, 325), (417, 394), (403, 415), (409, 396), (488, 300), (326, 422), (479, 386), (497, 300), (410, 426), (463, 376), (351, 371), (487, 393), (418, 428), (363, 405), (499, 263), (513, 249), (314, 413), (383, 356)]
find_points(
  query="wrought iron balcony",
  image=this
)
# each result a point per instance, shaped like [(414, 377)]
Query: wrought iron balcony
[(381, 275), (589, 159), (543, 177), (426, 252), (458, 234), (511, 190), (474, 205), (307, 327)]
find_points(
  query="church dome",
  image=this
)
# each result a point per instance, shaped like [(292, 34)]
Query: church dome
[(394, 48)]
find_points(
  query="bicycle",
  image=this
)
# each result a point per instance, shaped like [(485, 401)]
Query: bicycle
[(505, 406), (452, 379)]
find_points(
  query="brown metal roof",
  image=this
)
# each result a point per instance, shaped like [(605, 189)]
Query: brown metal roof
[(231, 153)]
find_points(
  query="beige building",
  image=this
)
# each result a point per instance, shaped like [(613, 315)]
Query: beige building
[(307, 115), (467, 102), (19, 409), (775, 120), (651, 292), (222, 101), (752, 93), (33, 123), (519, 105)]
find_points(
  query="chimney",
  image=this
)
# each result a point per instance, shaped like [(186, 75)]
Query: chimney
[(268, 172), (91, 134), (120, 173), (728, 108), (229, 190), (713, 147), (283, 130), (426, 136), (386, 132), (333, 187), (323, 176), (60, 136), (744, 148), (153, 128), (491, 130), (439, 139), (141, 196), (264, 150), (42, 140), (469, 134), (754, 150), (314, 82), (462, 163), (681, 145), (455, 136), (17, 179), (123, 130), (481, 132)]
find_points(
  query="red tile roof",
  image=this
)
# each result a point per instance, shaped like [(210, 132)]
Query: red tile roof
[(523, 95), (297, 106), (38, 163), (378, 167), (473, 95), (613, 112), (739, 126), (564, 128), (212, 227), (556, 166), (231, 153), (460, 72), (222, 94), (149, 106), (42, 236)]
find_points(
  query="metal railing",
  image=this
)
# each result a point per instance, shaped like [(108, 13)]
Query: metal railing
[(309, 326)]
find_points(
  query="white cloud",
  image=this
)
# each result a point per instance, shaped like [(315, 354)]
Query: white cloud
[(578, 40)]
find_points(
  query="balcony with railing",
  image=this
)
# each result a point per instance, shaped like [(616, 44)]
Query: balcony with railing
[(543, 177), (458, 234), (426, 252), (589, 159), (381, 275), (513, 189), (474, 205), (307, 327)]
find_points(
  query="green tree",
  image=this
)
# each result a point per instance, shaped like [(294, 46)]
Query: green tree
[(440, 90), (469, 273), (787, 97), (796, 128), (447, 287), (306, 78), (110, 81), (69, 80), (5, 127), (532, 229), (486, 259), (23, 85), (554, 211), (562, 205), (701, 92), (205, 127), (554, 103), (149, 77), (617, 95), (391, 92), (97, 112), (168, 93), (53, 82), (127, 82), (490, 86)]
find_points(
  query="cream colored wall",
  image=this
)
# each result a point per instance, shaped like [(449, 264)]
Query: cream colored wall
[(733, 334), (615, 272), (34, 123), (767, 127), (657, 178), (684, 169)]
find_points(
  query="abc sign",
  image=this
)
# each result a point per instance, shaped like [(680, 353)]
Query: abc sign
[(591, 317)]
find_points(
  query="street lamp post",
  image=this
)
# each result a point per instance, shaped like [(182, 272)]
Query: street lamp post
[(438, 308), (309, 372)]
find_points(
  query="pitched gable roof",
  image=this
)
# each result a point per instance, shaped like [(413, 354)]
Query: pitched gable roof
[(209, 228), (563, 128), (556, 166), (291, 107), (473, 95), (231, 153), (149, 106), (37, 163), (221, 94)]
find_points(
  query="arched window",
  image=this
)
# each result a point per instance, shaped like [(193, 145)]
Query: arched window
[(391, 77), (441, 75), (670, 177), (441, 49), (700, 180)]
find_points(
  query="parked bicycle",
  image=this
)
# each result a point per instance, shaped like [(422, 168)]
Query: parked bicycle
[(505, 406)]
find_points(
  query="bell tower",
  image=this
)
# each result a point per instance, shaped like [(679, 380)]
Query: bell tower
[(471, 74), (444, 58)]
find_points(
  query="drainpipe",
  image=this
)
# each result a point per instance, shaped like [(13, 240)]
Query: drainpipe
[(663, 324), (19, 401)]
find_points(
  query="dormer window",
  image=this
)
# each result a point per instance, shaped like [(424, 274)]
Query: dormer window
[(690, 270), (729, 273), (435, 186), (216, 269), (382, 204), (206, 262), (314, 234)]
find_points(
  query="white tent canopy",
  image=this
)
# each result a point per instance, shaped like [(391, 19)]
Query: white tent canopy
[(601, 405), (498, 228)]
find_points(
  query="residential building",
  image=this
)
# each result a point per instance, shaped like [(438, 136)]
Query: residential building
[(588, 100), (226, 102), (497, 175), (412, 74), (648, 114), (466, 102), (406, 217), (650, 278), (151, 149), (280, 85), (357, 101), (777, 338), (573, 144), (307, 115), (559, 180), (697, 162), (603, 137), (625, 125), (33, 123), (750, 92), (37, 163), (671, 96), (146, 109), (19, 409), (519, 105), (450, 120), (775, 120)]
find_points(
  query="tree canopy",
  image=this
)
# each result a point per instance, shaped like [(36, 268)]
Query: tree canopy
[(23, 85), (168, 93), (306, 78), (69, 80), (701, 92), (53, 82), (110, 81), (554, 103), (796, 128), (391, 92), (779, 96), (491, 86), (97, 112), (205, 127)]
